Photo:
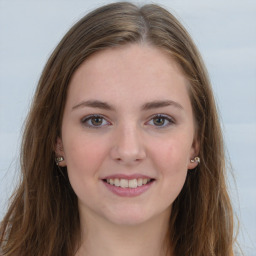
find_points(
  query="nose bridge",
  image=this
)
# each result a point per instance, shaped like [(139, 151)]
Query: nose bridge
[(128, 143)]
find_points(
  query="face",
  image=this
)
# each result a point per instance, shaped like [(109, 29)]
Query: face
[(128, 134)]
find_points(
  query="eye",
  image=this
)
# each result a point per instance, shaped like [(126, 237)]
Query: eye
[(161, 121), (94, 121)]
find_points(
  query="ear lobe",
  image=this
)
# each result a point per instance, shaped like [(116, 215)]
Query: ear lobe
[(192, 164), (59, 152)]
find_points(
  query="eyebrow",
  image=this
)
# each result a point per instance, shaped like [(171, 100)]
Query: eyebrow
[(160, 104), (146, 106), (94, 104)]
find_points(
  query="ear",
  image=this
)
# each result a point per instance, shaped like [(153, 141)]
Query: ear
[(194, 151), (59, 151)]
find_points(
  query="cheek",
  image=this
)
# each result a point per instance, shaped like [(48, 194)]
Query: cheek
[(83, 158), (172, 154), (170, 160), (173, 164)]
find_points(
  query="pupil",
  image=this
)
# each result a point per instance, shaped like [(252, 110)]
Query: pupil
[(159, 121), (96, 121)]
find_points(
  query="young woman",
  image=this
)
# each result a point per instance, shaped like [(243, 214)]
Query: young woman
[(122, 152)]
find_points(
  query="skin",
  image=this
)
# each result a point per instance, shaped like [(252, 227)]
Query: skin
[(128, 140)]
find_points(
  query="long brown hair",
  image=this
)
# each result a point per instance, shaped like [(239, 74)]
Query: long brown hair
[(43, 217)]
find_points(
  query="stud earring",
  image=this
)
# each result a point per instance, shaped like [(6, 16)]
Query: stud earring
[(196, 159), (59, 159)]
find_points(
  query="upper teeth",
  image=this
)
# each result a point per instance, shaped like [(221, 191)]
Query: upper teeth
[(124, 183)]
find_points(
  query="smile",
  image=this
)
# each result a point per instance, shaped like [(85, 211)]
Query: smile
[(125, 183), (128, 186)]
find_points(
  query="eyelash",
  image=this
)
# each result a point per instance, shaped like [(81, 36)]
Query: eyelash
[(89, 118), (86, 119), (165, 117)]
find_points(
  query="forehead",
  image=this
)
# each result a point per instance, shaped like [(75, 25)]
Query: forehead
[(129, 72)]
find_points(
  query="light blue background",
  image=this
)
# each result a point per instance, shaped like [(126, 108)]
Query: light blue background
[(224, 31)]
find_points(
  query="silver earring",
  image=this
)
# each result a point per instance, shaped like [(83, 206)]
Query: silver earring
[(196, 159), (59, 159)]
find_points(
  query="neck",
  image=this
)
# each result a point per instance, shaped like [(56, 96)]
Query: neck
[(100, 237)]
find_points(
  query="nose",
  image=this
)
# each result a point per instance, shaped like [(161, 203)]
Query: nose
[(128, 146)]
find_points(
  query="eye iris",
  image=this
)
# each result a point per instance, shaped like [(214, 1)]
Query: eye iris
[(96, 121), (159, 121)]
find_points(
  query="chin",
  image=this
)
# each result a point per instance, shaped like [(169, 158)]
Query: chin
[(130, 217), (129, 220)]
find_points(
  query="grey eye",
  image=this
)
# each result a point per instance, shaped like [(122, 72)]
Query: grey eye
[(94, 121), (161, 121)]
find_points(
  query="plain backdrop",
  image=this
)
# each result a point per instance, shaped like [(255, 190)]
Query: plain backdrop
[(225, 33)]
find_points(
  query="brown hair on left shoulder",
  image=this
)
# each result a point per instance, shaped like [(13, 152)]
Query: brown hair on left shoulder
[(43, 216)]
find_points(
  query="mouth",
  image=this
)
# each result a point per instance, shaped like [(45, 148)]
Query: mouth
[(128, 183)]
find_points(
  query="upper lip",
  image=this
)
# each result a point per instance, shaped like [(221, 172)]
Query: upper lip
[(127, 177)]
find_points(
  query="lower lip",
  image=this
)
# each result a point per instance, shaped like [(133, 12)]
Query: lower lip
[(128, 192)]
